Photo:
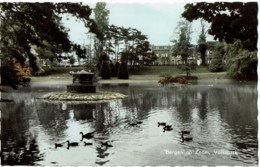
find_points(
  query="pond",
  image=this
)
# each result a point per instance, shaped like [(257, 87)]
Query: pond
[(221, 118)]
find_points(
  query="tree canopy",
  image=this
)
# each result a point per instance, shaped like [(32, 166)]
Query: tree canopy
[(24, 25), (229, 21)]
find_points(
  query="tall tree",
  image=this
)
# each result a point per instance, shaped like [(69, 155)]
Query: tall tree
[(101, 15), (182, 44), (229, 21), (202, 44)]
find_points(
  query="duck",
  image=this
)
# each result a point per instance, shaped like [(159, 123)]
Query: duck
[(87, 135), (185, 132), (102, 163), (87, 144), (73, 144), (161, 124), (132, 124), (186, 139), (167, 128), (58, 145), (105, 144)]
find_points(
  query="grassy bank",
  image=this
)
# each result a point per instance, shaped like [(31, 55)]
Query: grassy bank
[(149, 73), (162, 70)]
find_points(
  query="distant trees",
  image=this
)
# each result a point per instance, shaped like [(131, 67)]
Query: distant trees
[(236, 24), (229, 21), (118, 41)]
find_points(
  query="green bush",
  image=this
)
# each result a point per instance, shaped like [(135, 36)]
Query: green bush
[(117, 67), (123, 71), (241, 63), (216, 64), (243, 66), (112, 70), (105, 70)]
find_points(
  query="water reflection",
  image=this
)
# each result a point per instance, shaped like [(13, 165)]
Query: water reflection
[(220, 118)]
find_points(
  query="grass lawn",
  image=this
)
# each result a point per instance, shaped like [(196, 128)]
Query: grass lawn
[(167, 70)]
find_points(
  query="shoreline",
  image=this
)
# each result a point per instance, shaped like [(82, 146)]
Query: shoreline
[(202, 77)]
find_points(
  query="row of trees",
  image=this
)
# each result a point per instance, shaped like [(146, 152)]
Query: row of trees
[(126, 45), (30, 31), (234, 25)]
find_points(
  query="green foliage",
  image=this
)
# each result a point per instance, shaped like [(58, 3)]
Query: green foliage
[(113, 70), (181, 46), (9, 77), (123, 71), (72, 60), (105, 70), (229, 21), (242, 64), (217, 64), (202, 44), (24, 25), (117, 67), (187, 68)]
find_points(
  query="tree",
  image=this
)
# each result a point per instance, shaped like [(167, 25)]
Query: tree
[(217, 64), (123, 69), (72, 60), (105, 71), (25, 26), (241, 63), (229, 21), (182, 44), (202, 44), (101, 20)]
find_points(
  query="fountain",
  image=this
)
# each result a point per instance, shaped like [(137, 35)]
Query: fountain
[(84, 84), (82, 90)]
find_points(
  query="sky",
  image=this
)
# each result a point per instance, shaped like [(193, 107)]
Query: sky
[(156, 20)]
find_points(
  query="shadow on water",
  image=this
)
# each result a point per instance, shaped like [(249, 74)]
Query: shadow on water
[(218, 116)]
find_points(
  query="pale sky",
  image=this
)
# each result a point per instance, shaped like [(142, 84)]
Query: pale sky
[(156, 20)]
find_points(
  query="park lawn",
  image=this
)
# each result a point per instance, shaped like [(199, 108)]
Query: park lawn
[(167, 70)]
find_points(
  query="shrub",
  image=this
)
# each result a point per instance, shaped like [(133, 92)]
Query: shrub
[(105, 70), (216, 64), (112, 69), (123, 71)]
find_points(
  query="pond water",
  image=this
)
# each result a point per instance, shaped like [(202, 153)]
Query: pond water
[(221, 118)]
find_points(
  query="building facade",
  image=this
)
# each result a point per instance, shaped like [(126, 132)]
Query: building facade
[(165, 56)]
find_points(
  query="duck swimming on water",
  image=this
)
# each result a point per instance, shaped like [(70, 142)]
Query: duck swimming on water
[(73, 144), (167, 128), (58, 145), (87, 135), (87, 144), (186, 139), (161, 124)]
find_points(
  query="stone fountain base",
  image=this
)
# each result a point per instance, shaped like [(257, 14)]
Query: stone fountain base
[(83, 97), (81, 88)]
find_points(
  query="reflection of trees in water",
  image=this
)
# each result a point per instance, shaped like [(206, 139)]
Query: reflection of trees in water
[(82, 111), (52, 118), (107, 116), (18, 146)]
